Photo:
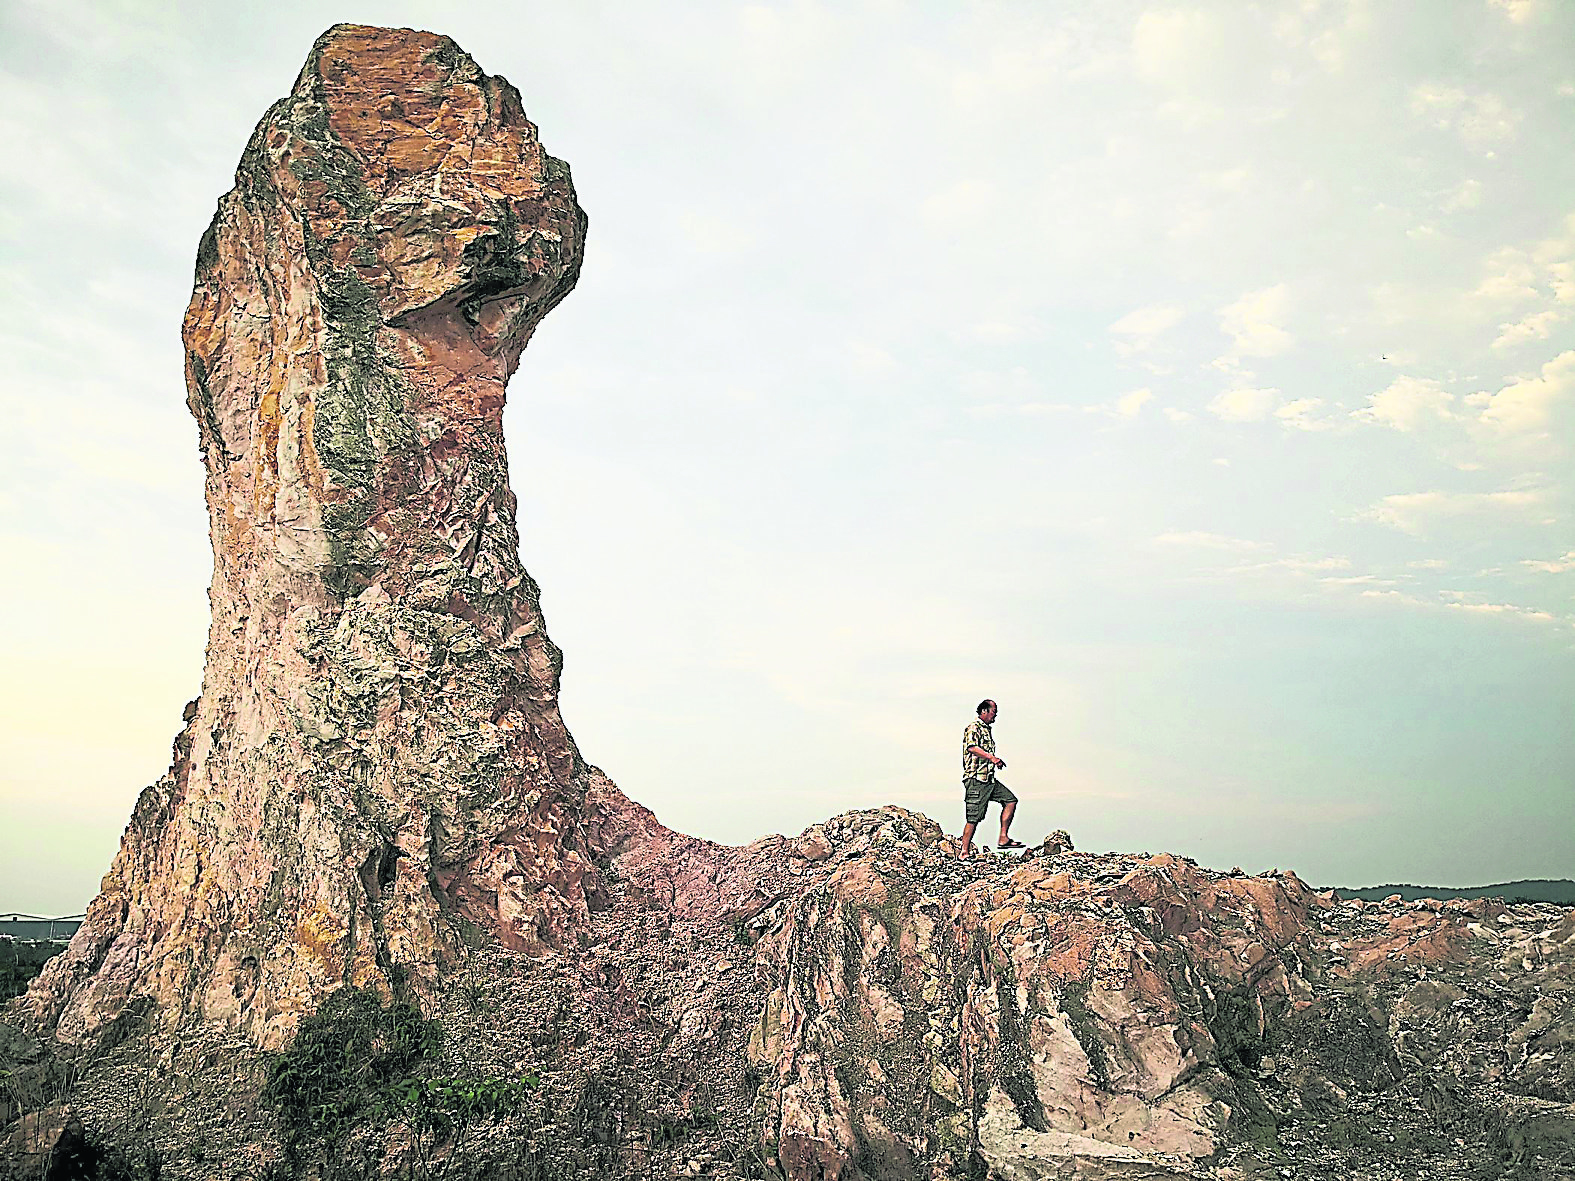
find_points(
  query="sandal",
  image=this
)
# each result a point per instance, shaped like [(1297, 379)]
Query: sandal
[(1011, 844)]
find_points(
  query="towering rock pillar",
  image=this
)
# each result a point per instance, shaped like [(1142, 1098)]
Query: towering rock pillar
[(376, 771)]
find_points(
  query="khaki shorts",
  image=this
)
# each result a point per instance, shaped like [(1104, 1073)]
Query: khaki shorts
[(979, 794)]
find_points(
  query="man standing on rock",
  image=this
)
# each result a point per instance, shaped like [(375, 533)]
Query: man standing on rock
[(980, 786)]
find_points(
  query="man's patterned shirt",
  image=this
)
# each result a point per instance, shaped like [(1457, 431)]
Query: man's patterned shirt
[(977, 734)]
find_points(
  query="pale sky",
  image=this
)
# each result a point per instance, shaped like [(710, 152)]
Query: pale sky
[(1198, 382)]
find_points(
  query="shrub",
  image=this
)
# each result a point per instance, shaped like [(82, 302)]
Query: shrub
[(359, 1061)]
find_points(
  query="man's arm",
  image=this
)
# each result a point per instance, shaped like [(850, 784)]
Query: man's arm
[(986, 755)]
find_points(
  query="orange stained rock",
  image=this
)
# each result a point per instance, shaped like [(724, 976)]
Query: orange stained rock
[(1417, 937), (1062, 885), (1002, 918), (1147, 886), (435, 115), (1070, 952), (1025, 878), (1268, 902), (319, 934), (268, 418), (859, 883)]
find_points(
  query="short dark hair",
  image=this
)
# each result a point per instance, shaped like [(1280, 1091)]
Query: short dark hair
[(983, 705)]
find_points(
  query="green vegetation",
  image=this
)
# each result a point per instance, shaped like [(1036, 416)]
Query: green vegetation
[(21, 960), (741, 935), (704, 1115), (32, 1079), (347, 1059), (360, 1062)]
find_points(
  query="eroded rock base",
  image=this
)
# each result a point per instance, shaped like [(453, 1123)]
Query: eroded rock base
[(860, 1003)]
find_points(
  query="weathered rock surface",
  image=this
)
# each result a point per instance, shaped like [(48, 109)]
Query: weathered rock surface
[(377, 759), (376, 789)]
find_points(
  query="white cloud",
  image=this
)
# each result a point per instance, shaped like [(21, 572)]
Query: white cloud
[(1541, 276), (1012, 72), (1503, 609), (1304, 565), (1358, 580), (1257, 560), (1536, 326), (1518, 11), (1252, 322), (1457, 601), (1482, 119), (1406, 403), (1302, 414), (1527, 404), (765, 47), (993, 332), (1510, 279), (1147, 322), (1128, 405), (1429, 564), (1561, 277), (1245, 405), (1177, 415), (1394, 596), (1329, 46), (1232, 180), (716, 234), (1023, 409), (1467, 196), (1137, 330), (1559, 565), (1413, 512), (1015, 384)]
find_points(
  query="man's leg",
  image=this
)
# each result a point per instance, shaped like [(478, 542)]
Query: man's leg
[(1008, 810), (976, 802)]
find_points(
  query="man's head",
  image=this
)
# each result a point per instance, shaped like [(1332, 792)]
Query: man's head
[(987, 711)]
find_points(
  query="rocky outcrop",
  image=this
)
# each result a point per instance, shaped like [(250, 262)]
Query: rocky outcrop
[(376, 765), (376, 792), (1078, 1015)]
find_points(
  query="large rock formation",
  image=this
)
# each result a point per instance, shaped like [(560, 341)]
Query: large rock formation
[(376, 763), (376, 790), (1140, 1016)]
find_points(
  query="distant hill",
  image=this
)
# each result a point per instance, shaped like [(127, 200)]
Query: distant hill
[(1560, 891)]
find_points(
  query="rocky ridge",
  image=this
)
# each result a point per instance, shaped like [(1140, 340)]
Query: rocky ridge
[(858, 1002), (376, 791)]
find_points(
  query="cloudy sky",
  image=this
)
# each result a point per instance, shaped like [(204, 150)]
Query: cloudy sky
[(1197, 381)]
